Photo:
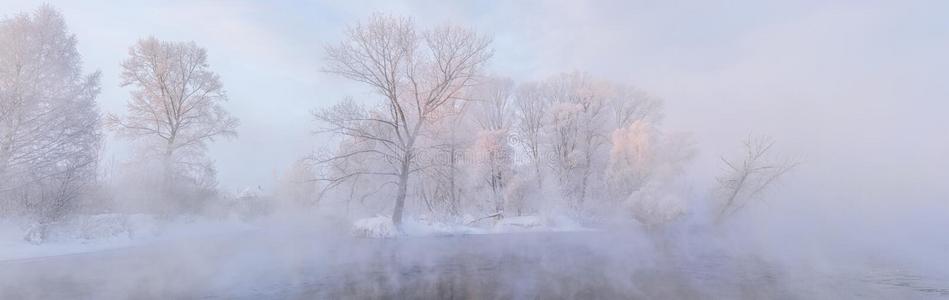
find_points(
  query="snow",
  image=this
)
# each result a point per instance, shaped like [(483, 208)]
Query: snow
[(90, 233), (99, 232), (382, 226), (538, 224), (375, 227), (425, 226)]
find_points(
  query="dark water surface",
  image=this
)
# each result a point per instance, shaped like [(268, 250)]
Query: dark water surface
[(582, 265)]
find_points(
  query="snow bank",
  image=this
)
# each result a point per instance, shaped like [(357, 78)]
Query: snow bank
[(382, 227), (82, 228), (19, 240), (424, 226), (537, 224), (103, 231), (520, 223), (375, 227)]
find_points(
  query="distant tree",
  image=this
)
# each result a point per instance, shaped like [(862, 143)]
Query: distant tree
[(49, 122), (356, 181), (630, 105), (175, 108), (492, 167), (493, 112), (442, 183), (493, 103), (296, 187), (749, 175), (643, 162), (577, 132), (418, 75), (566, 125), (632, 159), (531, 114)]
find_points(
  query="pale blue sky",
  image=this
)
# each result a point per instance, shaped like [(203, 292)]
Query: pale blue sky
[(860, 89)]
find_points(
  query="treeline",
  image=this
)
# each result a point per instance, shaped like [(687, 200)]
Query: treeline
[(442, 137), (459, 142), (446, 139)]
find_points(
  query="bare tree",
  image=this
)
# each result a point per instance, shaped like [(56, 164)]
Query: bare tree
[(629, 105), (175, 107), (531, 113), (450, 136), (49, 122), (747, 177), (295, 188), (493, 104), (418, 75)]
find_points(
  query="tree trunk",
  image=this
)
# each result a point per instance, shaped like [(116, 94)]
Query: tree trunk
[(403, 186), (455, 205), (400, 200), (583, 188), (167, 181), (497, 187)]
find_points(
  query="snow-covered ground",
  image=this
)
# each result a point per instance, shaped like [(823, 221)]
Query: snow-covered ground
[(91, 233), (382, 226)]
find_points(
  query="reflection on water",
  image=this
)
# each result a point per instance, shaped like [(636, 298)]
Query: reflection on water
[(513, 266)]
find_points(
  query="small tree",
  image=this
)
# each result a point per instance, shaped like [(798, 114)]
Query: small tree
[(643, 164), (748, 176), (175, 108)]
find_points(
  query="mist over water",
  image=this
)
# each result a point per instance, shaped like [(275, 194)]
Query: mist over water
[(563, 149), (296, 263)]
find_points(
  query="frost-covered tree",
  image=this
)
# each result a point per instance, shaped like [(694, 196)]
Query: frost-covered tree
[(493, 101), (746, 177), (175, 110), (643, 164), (530, 110), (417, 74), (629, 105), (49, 122), (296, 187), (632, 159), (577, 133), (492, 168), (493, 113), (354, 181), (600, 140), (442, 184)]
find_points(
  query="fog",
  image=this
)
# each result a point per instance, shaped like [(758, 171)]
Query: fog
[(847, 99)]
